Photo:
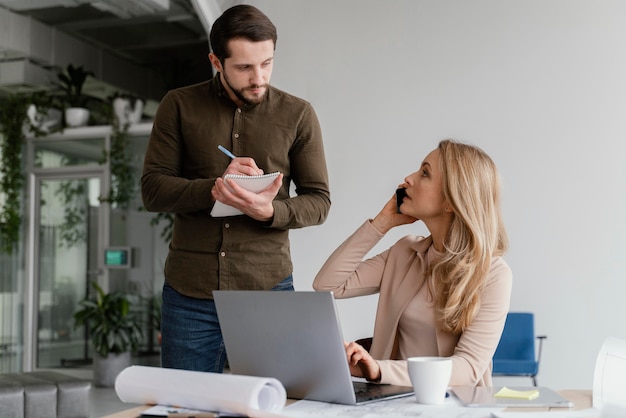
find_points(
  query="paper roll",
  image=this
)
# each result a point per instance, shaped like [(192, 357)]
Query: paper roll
[(199, 390), (609, 378)]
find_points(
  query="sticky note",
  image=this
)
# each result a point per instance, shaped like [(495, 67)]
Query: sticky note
[(517, 394)]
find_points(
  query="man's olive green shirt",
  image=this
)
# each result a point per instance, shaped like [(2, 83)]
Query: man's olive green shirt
[(182, 162)]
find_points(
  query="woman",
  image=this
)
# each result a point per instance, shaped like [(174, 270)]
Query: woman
[(442, 295)]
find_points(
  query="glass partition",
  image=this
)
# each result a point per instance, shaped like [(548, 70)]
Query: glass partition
[(68, 219), (67, 153), (68, 224)]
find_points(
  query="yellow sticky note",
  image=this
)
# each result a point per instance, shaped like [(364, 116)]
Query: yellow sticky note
[(517, 394)]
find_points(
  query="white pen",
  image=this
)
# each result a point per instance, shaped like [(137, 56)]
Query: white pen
[(225, 151)]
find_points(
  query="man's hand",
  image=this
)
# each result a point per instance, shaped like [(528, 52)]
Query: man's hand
[(256, 205), (243, 165)]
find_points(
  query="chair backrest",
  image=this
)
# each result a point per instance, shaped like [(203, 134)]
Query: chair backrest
[(518, 338)]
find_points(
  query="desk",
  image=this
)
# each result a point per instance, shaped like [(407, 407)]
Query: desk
[(581, 399)]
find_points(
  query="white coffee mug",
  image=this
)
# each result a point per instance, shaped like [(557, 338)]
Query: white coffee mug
[(430, 377)]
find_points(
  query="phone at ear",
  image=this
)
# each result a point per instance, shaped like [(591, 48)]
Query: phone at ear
[(400, 194)]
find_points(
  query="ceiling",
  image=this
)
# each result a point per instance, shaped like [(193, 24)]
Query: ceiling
[(165, 37)]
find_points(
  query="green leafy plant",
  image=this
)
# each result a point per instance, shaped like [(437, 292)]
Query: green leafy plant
[(113, 327), (13, 119), (123, 177), (73, 198), (11, 176), (71, 82)]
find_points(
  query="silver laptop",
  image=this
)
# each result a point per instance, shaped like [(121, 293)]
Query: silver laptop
[(296, 338)]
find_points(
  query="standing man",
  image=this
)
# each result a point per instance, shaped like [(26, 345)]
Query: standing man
[(267, 130)]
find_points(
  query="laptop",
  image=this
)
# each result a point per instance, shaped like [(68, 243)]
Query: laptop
[(296, 338), (483, 396)]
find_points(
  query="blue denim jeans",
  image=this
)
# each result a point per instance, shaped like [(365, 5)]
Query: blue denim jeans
[(190, 331)]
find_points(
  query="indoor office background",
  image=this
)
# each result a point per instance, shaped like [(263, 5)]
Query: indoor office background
[(540, 85)]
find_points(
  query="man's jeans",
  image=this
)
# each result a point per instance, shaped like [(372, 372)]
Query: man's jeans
[(191, 335)]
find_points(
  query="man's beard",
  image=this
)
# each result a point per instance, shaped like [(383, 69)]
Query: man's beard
[(240, 93)]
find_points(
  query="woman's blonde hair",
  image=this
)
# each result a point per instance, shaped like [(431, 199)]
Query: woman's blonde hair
[(471, 185)]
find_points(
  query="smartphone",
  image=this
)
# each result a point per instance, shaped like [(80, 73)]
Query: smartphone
[(400, 194)]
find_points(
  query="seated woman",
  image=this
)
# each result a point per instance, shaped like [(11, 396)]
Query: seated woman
[(446, 294)]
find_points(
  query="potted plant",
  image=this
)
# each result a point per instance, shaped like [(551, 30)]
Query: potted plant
[(71, 82), (45, 113), (114, 331), (127, 108)]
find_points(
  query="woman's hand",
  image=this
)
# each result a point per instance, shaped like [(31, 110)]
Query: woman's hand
[(389, 217), (361, 363)]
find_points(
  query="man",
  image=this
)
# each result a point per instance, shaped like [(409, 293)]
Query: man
[(268, 130)]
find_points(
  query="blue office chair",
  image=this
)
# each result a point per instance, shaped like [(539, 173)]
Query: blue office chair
[(515, 354)]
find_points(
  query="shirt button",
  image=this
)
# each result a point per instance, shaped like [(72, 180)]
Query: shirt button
[(236, 135), (223, 254), (226, 225), (238, 110)]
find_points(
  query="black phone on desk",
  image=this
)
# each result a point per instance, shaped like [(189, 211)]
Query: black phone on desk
[(400, 194)]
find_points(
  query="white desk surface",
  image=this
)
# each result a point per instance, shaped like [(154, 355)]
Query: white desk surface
[(580, 398)]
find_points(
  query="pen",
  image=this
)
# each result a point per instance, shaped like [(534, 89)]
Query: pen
[(225, 151)]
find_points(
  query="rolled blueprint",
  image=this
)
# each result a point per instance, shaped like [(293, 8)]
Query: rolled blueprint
[(227, 393)]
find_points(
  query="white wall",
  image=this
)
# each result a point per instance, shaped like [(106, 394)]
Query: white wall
[(540, 85)]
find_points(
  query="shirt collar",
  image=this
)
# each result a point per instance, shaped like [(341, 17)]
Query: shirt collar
[(421, 247)]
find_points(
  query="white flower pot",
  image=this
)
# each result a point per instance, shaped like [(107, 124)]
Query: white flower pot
[(76, 116), (106, 369), (125, 113), (44, 121)]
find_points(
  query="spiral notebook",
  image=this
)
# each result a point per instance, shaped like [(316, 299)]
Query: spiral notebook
[(254, 184)]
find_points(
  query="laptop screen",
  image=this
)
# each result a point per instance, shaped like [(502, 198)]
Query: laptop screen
[(294, 337)]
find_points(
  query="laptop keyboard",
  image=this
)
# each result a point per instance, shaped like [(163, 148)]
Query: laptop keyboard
[(365, 391)]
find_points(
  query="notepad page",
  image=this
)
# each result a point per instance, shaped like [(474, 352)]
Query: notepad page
[(517, 394), (253, 184)]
